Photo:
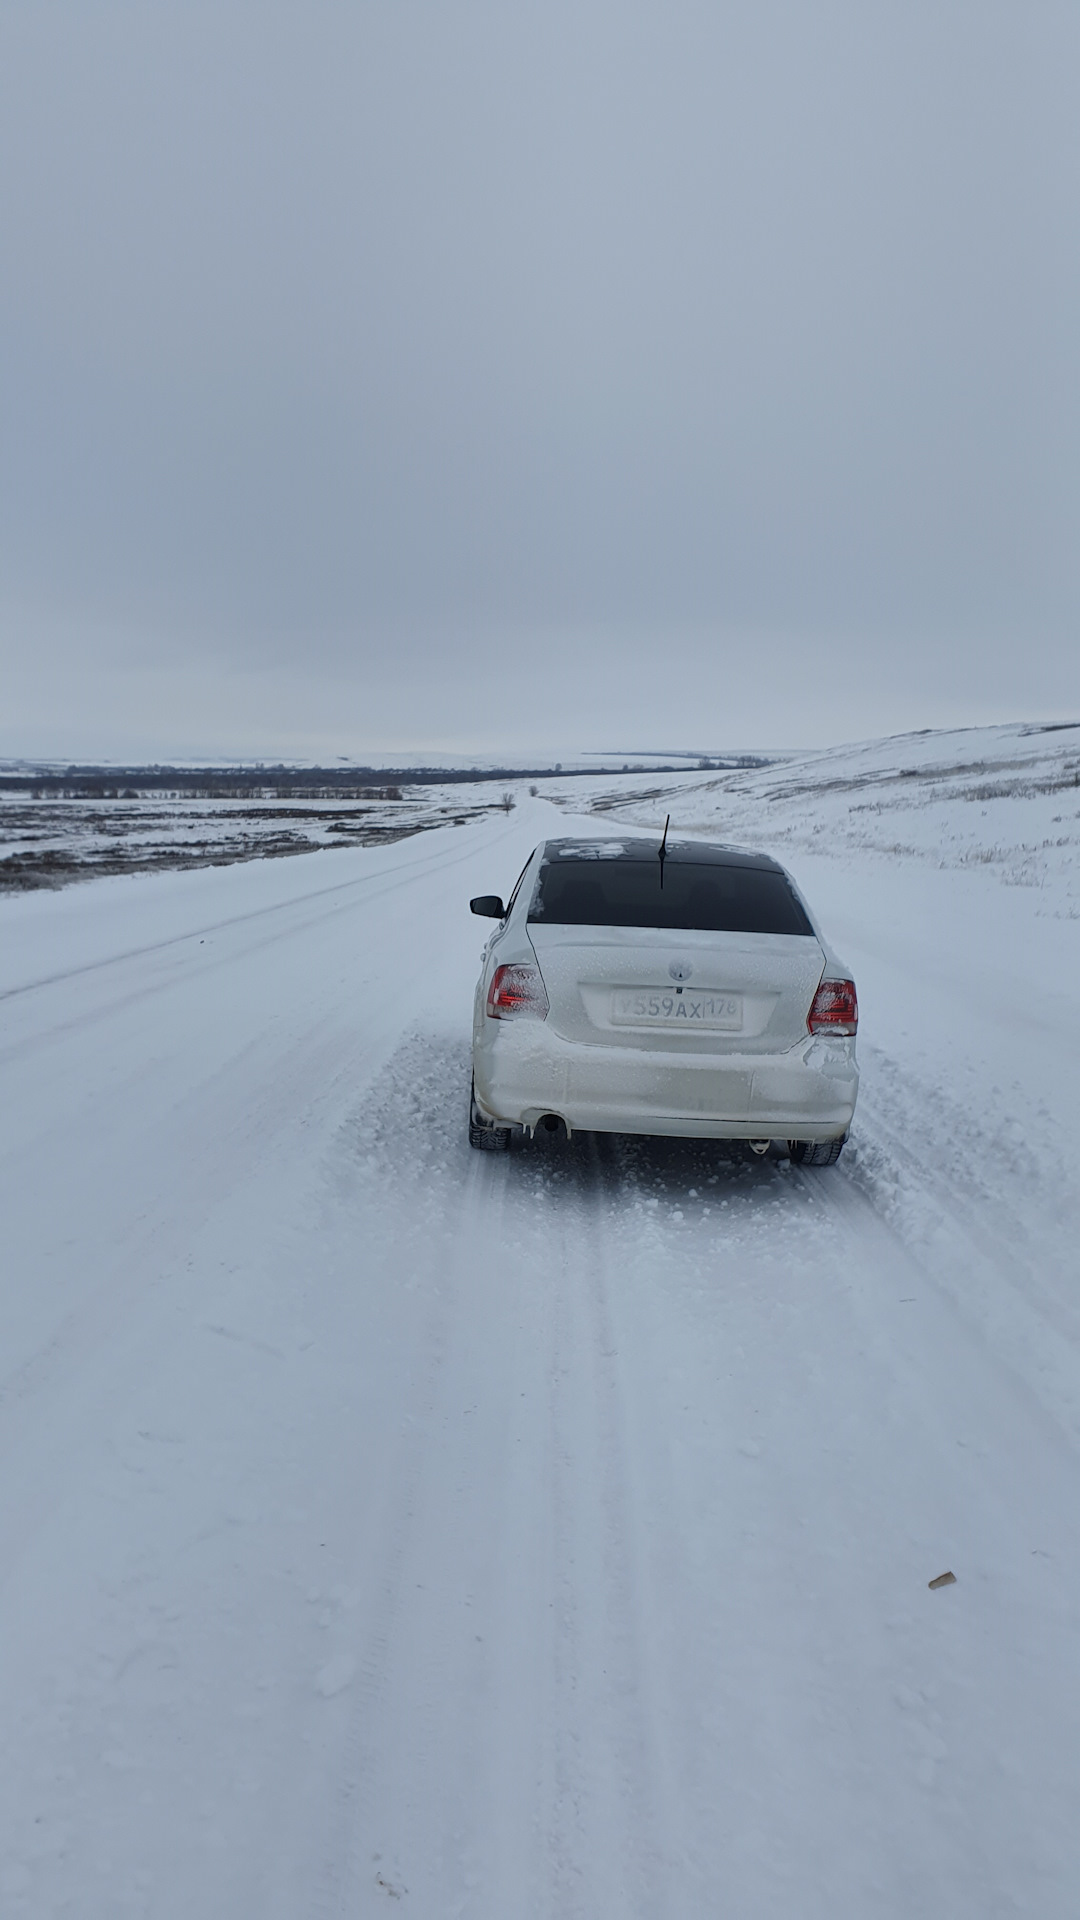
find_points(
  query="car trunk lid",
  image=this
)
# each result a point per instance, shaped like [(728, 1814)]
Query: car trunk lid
[(682, 990)]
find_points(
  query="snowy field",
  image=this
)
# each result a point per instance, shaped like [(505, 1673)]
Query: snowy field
[(389, 1528), (51, 842)]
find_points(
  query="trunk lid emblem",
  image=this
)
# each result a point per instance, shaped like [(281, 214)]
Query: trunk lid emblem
[(680, 969)]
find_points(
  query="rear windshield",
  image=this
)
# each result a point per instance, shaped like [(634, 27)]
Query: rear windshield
[(627, 893)]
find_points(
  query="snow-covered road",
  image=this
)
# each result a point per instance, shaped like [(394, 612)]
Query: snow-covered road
[(389, 1528)]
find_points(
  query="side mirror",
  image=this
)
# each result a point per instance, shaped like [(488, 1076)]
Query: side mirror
[(488, 906)]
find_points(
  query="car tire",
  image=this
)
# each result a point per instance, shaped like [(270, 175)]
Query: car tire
[(483, 1133), (815, 1153)]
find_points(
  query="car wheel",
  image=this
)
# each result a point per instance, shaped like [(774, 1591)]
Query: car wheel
[(483, 1133), (815, 1153)]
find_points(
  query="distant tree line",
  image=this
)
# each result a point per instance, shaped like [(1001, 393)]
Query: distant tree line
[(310, 783)]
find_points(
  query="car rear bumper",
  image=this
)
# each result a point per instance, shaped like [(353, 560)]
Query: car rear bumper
[(523, 1071)]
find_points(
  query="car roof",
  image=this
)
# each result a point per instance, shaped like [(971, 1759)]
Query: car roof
[(689, 852)]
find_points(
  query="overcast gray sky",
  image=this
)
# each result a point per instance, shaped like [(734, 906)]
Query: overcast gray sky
[(488, 376)]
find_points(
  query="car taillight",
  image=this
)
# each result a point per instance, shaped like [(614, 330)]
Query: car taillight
[(516, 991), (835, 1008)]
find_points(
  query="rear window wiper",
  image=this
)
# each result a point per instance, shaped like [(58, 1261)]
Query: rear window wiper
[(663, 851)]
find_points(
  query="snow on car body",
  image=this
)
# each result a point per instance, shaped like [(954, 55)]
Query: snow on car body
[(691, 995)]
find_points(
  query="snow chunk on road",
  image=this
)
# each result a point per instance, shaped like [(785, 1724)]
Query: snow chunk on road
[(337, 1674)]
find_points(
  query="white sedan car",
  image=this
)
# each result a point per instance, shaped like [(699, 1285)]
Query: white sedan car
[(634, 986)]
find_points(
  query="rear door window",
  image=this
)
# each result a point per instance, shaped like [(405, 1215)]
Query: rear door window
[(627, 893)]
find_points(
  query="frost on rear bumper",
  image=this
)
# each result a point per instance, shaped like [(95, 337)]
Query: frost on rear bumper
[(805, 1093)]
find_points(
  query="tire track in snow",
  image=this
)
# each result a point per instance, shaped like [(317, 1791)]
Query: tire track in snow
[(411, 869), (87, 1352), (607, 1798), (591, 1795), (351, 1871), (998, 1248), (180, 975)]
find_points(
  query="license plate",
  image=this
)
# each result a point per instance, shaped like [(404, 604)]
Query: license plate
[(691, 1008)]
